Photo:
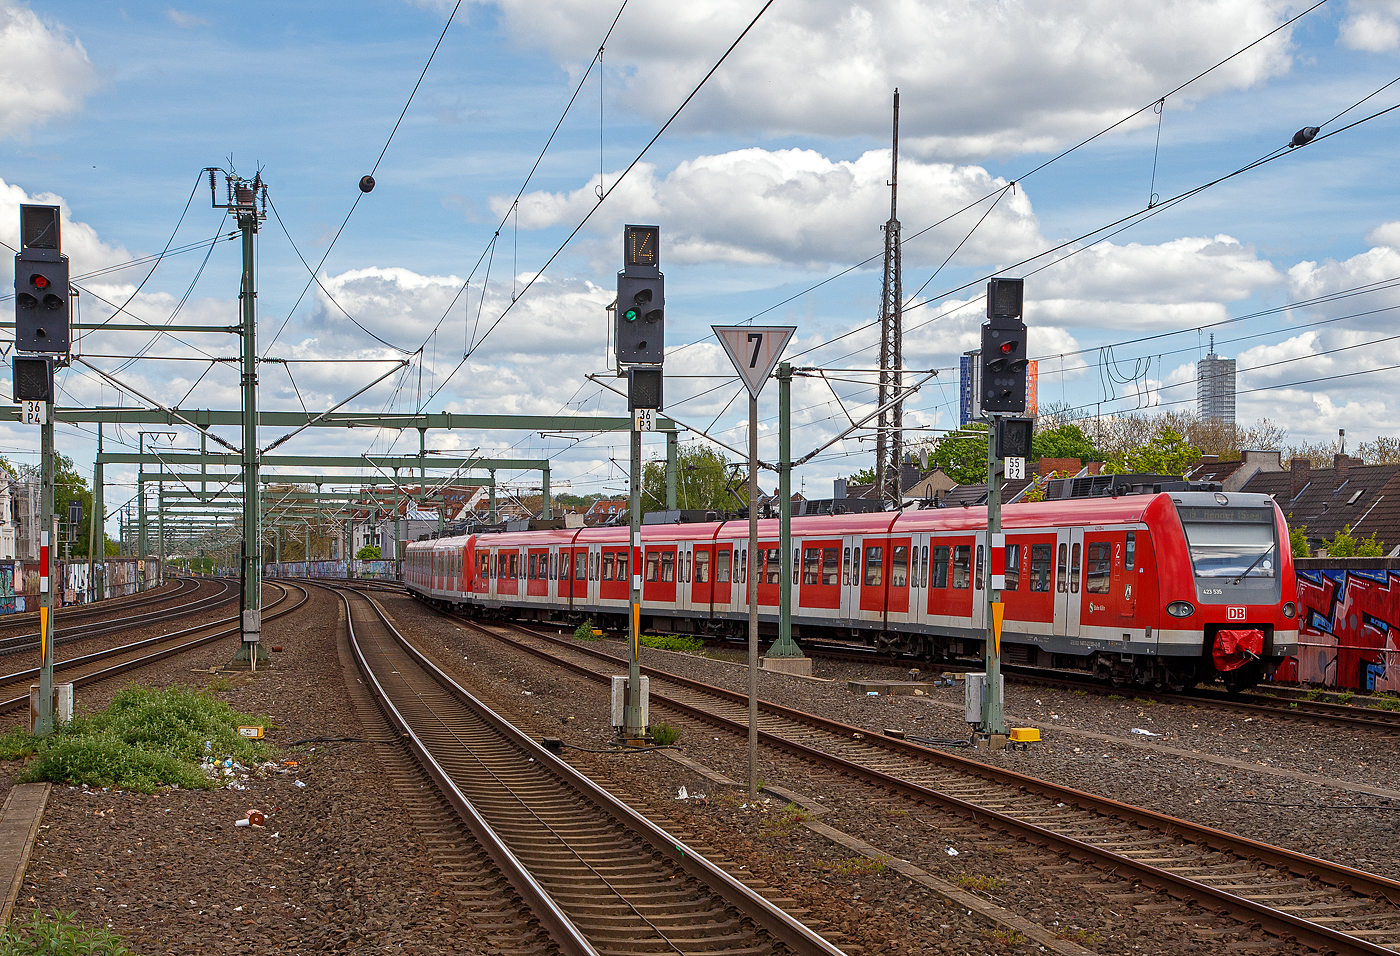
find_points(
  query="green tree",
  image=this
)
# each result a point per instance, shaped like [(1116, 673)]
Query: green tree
[(702, 480), (866, 476), (1298, 541), (963, 454), (369, 552), (1346, 545), (1168, 453), (70, 486), (1065, 441)]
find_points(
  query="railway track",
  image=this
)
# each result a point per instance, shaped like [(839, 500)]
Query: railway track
[(598, 876), (97, 609), (68, 627), (101, 665), (1324, 905)]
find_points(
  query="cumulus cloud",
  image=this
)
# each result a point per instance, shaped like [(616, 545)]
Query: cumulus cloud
[(85, 251), (1371, 25), (761, 207), (44, 70), (975, 78), (1386, 234)]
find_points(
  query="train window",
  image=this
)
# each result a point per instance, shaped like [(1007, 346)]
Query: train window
[(831, 566), (1013, 568), (938, 568), (1098, 567), (795, 553), (608, 566), (773, 568), (855, 559), (622, 565), (1074, 570), (923, 569), (846, 566), (653, 565), (515, 566), (580, 565), (593, 566), (981, 565), (899, 566), (743, 565), (1062, 570), (1040, 567), (702, 567), (962, 566), (688, 563), (554, 567), (1130, 554), (668, 567), (722, 566), (874, 566), (811, 565), (534, 567)]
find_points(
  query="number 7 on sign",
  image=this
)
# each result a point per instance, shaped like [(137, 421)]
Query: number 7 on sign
[(754, 350)]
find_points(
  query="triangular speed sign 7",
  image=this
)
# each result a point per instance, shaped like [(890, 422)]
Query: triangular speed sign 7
[(754, 350)]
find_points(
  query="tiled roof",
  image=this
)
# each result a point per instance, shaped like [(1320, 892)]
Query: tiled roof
[(1366, 497)]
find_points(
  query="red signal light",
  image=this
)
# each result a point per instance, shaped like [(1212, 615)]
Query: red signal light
[(39, 281), (1007, 348)]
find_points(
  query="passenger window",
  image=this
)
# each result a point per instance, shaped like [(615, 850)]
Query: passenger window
[(1098, 566), (981, 565), (774, 566), (794, 566), (811, 565), (608, 566), (593, 566), (668, 567), (688, 562), (580, 565), (874, 566), (962, 566), (653, 565), (744, 566), (831, 566), (622, 565), (938, 568), (722, 566), (1130, 554), (702, 567), (855, 558), (534, 566), (899, 566), (1040, 567), (1013, 567), (923, 569), (1061, 571), (1074, 571), (846, 566)]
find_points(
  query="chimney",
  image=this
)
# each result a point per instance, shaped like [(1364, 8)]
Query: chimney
[(1095, 467), (838, 488), (1301, 468), (1339, 467)]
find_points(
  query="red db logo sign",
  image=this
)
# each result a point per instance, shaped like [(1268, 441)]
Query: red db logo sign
[(1234, 614)]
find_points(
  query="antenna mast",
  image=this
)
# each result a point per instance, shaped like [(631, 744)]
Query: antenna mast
[(889, 440)]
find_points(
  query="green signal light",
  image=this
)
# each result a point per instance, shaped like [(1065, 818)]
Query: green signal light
[(631, 315)]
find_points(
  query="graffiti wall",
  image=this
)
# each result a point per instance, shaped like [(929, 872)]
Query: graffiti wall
[(383, 570), (1349, 624)]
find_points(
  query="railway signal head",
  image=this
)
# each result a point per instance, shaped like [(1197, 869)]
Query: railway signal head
[(1004, 364), (641, 319)]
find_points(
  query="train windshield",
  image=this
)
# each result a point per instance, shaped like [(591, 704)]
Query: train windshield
[(1231, 542)]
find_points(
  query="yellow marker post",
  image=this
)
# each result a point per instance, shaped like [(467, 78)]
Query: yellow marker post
[(998, 612), (636, 631)]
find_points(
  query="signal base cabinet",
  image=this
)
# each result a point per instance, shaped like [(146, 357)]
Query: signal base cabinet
[(975, 693)]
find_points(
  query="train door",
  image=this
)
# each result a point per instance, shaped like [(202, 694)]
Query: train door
[(850, 580), (819, 579), (702, 572), (1127, 583), (684, 567), (979, 581), (871, 561), (769, 568), (1069, 563), (493, 573), (898, 568), (723, 592)]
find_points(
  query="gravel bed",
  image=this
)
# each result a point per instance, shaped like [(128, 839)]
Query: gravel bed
[(339, 867), (877, 909)]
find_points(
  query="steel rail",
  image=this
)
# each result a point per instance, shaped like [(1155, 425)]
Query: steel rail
[(96, 608), (1276, 921), (779, 924)]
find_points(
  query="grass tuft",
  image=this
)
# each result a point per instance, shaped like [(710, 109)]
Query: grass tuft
[(584, 632), (673, 642), (663, 735), (979, 882), (57, 935), (146, 739)]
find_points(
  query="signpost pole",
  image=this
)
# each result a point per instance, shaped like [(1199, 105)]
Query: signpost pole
[(632, 711), (993, 716), (751, 576), (43, 720)]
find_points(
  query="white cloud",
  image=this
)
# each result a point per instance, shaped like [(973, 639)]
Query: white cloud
[(1371, 25), (44, 71), (974, 77), (85, 251), (761, 207), (185, 21), (1386, 234)]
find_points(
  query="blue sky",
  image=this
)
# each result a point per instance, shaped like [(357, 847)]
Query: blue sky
[(771, 180)]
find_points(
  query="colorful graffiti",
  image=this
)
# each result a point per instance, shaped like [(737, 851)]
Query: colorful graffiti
[(1349, 630)]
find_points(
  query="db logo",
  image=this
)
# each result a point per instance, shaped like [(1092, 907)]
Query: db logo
[(1234, 614)]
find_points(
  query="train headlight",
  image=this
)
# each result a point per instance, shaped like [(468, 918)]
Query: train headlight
[(1290, 610), (1181, 609)]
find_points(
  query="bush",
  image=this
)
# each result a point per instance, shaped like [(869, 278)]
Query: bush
[(58, 935), (144, 740), (369, 552), (584, 632), (663, 735), (673, 642)]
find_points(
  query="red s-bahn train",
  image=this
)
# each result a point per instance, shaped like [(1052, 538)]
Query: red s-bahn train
[(1161, 589)]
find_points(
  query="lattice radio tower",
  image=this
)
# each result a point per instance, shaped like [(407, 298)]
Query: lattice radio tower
[(889, 440)]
